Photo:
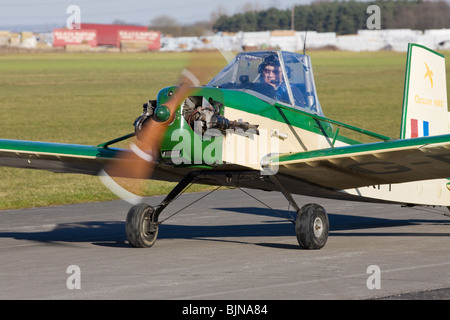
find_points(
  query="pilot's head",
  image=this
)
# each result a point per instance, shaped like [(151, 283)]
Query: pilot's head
[(270, 71)]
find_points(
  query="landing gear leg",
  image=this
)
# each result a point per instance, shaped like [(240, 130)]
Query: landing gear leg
[(142, 224), (312, 225)]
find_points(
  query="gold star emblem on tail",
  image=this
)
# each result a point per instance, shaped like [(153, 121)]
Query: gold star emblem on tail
[(429, 74)]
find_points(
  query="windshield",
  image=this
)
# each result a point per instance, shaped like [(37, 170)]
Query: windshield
[(276, 75)]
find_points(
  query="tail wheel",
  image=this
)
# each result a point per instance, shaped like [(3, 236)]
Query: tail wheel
[(312, 226), (140, 227)]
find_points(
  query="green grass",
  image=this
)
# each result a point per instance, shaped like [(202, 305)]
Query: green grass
[(74, 98), (362, 89), (88, 98), (79, 98)]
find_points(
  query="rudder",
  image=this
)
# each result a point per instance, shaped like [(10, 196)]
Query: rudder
[(425, 110)]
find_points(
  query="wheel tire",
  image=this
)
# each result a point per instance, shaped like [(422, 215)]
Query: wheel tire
[(137, 226), (312, 226)]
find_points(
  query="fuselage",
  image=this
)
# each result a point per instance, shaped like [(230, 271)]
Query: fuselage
[(281, 129)]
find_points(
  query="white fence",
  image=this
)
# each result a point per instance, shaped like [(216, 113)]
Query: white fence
[(364, 40)]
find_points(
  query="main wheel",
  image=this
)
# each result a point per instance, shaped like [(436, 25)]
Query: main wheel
[(312, 226), (140, 227)]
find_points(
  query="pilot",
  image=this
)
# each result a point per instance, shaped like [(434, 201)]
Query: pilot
[(271, 74)]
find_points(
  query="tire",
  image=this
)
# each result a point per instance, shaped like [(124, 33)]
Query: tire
[(312, 227), (137, 226)]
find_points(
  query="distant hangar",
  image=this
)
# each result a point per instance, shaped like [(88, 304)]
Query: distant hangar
[(108, 35)]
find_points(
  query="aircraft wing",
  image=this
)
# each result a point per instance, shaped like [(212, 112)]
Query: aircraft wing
[(369, 164), (334, 168), (56, 157), (73, 158)]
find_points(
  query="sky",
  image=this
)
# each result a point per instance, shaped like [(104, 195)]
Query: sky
[(54, 12)]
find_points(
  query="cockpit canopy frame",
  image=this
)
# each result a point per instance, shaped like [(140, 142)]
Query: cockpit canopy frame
[(273, 76)]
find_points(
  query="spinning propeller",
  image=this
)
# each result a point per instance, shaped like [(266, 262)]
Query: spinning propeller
[(127, 173)]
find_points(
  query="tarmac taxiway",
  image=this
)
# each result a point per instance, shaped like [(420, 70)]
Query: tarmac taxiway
[(226, 246)]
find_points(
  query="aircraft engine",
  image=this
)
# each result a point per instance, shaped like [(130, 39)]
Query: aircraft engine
[(206, 114)]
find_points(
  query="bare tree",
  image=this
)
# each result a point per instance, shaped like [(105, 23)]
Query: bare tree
[(167, 25)]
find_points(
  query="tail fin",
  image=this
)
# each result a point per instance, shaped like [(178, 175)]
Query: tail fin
[(425, 111)]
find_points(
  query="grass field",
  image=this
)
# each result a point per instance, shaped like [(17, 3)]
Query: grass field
[(89, 98)]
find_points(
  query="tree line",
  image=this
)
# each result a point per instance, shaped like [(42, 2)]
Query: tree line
[(342, 17)]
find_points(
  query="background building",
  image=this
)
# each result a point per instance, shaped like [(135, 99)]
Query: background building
[(125, 37)]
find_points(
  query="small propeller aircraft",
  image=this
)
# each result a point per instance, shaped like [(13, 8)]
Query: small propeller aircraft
[(259, 124)]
